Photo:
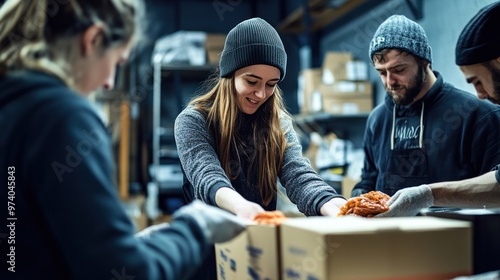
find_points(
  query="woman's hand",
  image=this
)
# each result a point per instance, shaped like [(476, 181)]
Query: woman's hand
[(248, 210), (332, 207), (232, 201)]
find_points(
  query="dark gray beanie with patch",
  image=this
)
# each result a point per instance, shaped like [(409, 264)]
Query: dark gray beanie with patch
[(402, 33), (478, 41), (253, 41)]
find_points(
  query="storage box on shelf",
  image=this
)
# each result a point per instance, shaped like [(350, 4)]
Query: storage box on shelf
[(340, 66), (340, 86), (346, 105), (334, 67), (309, 94), (347, 97), (214, 45), (347, 89), (337, 97)]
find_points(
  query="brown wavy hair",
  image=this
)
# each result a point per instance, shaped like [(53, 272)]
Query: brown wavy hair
[(220, 108)]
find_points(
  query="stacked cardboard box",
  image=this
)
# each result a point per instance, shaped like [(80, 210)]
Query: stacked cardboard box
[(340, 86), (309, 91), (326, 248), (335, 67), (214, 44), (347, 97), (345, 87)]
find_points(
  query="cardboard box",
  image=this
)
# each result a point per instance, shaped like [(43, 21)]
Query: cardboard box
[(214, 44), (325, 248), (347, 89), (356, 70), (347, 105), (215, 40), (254, 254), (334, 66), (347, 186), (309, 83), (486, 229)]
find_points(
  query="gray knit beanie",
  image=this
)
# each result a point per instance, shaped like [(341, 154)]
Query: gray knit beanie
[(399, 32), (478, 43), (253, 41)]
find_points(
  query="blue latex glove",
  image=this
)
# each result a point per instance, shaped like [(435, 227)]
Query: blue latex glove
[(409, 202)]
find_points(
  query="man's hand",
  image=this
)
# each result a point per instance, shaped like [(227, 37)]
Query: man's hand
[(409, 202)]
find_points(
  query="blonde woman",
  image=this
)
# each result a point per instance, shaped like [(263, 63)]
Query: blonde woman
[(64, 218)]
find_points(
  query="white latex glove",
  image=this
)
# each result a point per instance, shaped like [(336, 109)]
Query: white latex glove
[(218, 225), (409, 202)]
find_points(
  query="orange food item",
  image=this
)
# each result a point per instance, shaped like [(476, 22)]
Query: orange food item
[(367, 205), (270, 218)]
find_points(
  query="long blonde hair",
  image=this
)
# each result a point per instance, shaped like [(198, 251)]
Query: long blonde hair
[(39, 34), (219, 106)]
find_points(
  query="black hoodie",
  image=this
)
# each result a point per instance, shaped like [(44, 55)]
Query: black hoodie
[(66, 220), (461, 137)]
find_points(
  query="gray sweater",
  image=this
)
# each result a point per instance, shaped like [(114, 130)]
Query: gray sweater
[(202, 168)]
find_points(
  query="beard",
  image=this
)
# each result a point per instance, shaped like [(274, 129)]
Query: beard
[(408, 92), (495, 77)]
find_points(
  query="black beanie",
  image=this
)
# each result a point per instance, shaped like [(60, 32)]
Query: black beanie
[(253, 41), (478, 41)]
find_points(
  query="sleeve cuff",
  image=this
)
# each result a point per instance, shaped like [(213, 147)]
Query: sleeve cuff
[(213, 191), (322, 200), (497, 174)]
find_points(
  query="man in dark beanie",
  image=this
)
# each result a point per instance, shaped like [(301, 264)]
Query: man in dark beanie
[(478, 52), (478, 56), (426, 129)]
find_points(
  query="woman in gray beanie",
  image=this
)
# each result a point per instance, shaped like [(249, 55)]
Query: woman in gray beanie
[(237, 140)]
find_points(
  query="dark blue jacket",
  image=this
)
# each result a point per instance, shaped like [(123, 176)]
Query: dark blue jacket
[(68, 220), (460, 136)]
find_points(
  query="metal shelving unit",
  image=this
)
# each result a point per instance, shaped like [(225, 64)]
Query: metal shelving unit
[(169, 179), (348, 126)]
